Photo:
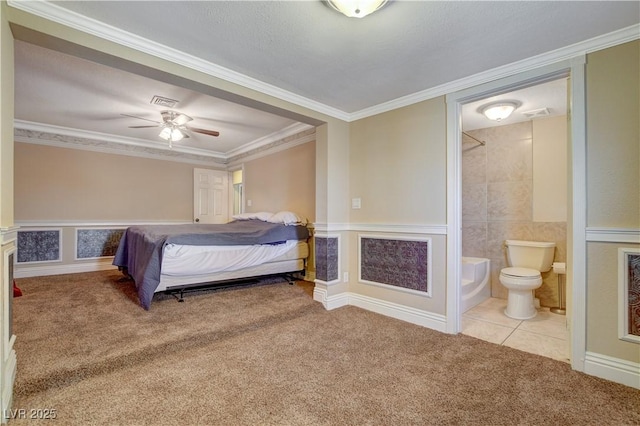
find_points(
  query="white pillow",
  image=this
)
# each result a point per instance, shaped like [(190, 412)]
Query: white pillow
[(287, 218), (263, 216)]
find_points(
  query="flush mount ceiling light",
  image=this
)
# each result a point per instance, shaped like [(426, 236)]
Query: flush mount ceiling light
[(499, 110), (356, 8)]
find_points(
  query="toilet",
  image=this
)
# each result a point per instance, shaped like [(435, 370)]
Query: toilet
[(526, 260)]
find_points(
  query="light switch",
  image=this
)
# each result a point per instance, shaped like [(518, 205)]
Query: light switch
[(356, 203)]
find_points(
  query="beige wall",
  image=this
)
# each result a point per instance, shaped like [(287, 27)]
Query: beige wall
[(6, 123), (285, 180), (613, 185), (550, 169), (60, 184), (398, 165), (613, 142), (398, 170)]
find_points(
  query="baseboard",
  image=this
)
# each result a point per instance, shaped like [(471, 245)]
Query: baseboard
[(9, 376), (412, 315), (330, 302), (613, 369), (405, 313), (40, 271)]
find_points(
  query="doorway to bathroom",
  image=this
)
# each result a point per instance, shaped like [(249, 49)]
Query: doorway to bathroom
[(514, 187), (504, 185)]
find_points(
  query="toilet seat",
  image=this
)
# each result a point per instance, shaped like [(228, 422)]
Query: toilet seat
[(523, 273)]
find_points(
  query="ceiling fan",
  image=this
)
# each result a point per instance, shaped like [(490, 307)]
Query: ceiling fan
[(174, 126)]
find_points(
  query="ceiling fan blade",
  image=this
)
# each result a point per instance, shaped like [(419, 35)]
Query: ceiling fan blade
[(175, 117), (140, 118), (204, 131), (141, 127), (181, 119)]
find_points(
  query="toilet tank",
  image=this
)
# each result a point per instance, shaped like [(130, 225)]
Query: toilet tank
[(530, 254)]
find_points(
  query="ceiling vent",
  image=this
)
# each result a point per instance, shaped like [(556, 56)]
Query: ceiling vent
[(162, 101), (535, 113)]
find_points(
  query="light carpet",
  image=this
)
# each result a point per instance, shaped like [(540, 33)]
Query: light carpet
[(269, 354)]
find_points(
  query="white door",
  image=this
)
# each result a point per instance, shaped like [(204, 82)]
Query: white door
[(210, 196)]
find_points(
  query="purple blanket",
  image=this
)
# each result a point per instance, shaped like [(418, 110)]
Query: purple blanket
[(140, 249)]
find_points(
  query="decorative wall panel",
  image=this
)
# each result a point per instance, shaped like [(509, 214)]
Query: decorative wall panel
[(39, 246), (401, 263), (633, 295), (94, 243), (327, 258), (629, 294)]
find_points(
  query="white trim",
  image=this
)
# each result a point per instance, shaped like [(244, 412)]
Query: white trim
[(575, 68), (623, 294), (291, 130), (577, 234), (330, 302), (88, 25), (392, 228), (58, 131), (9, 234), (565, 53), (389, 309), (330, 227), (27, 225), (91, 26), (40, 271), (240, 159), (613, 369), (426, 294), (7, 299), (613, 235), (9, 378), (399, 228), (65, 137)]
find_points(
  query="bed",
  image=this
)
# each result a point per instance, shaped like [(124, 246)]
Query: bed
[(178, 257)]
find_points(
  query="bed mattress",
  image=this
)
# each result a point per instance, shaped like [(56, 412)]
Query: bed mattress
[(180, 260)]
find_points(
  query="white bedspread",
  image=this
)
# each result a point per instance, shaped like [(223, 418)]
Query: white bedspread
[(194, 260)]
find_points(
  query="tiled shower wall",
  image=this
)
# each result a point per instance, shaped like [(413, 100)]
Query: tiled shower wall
[(497, 203)]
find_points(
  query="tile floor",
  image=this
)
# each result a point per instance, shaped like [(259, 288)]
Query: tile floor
[(545, 335)]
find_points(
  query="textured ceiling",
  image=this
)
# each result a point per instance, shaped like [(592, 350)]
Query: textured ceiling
[(299, 48), (351, 64)]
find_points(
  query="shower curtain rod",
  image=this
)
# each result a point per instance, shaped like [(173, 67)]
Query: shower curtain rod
[(477, 140)]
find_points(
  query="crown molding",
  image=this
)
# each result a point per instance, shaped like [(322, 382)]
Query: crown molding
[(55, 13), (64, 137), (288, 131), (569, 52), (58, 14)]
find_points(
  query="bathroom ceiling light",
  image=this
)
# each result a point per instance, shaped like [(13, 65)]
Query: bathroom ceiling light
[(498, 111), (356, 8)]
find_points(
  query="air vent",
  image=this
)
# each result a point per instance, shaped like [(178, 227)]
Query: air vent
[(165, 102), (535, 113)]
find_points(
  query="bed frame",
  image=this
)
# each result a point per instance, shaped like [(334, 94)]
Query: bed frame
[(290, 266)]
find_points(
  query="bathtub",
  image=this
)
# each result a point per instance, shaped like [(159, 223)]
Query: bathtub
[(476, 282)]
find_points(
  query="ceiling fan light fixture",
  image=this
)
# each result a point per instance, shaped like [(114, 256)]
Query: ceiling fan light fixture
[(356, 8), (498, 111), (171, 134)]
